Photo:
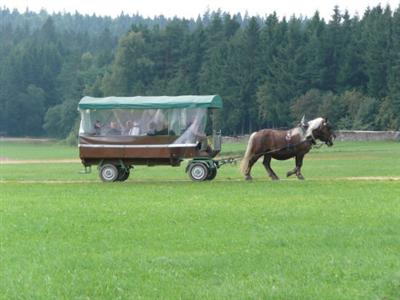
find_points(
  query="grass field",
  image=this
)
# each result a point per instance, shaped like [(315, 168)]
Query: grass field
[(66, 235)]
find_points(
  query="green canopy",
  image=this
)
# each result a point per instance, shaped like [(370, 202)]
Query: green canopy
[(151, 102)]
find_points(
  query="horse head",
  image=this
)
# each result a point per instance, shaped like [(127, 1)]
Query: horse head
[(321, 129)]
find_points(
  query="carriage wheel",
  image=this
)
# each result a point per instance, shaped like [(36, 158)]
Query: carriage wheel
[(123, 174), (198, 172), (108, 173), (212, 173)]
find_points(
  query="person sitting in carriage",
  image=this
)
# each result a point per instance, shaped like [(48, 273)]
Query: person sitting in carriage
[(131, 128), (97, 128), (114, 129), (162, 129)]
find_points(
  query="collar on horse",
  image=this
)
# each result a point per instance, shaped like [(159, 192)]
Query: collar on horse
[(311, 138), (304, 137)]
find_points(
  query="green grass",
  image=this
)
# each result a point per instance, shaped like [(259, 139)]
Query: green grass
[(36, 150), (158, 235)]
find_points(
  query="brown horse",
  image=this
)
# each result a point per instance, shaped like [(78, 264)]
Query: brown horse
[(283, 145)]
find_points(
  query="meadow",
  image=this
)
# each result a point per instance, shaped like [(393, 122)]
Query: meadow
[(64, 234)]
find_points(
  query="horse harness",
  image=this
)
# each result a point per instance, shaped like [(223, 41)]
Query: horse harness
[(288, 137)]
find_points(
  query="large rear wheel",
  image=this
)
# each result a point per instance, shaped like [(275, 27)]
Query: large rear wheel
[(212, 172), (123, 174), (108, 173)]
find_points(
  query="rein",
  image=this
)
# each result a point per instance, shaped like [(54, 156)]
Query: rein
[(317, 146), (284, 148), (313, 143), (270, 151)]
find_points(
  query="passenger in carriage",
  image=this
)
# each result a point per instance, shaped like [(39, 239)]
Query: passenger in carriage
[(114, 129), (135, 130), (128, 127), (152, 129), (161, 130), (131, 128), (97, 128)]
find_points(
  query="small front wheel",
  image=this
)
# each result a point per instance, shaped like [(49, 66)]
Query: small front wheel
[(198, 172), (108, 173)]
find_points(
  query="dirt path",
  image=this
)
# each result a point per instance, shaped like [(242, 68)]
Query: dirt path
[(26, 139), (150, 181), (7, 161), (372, 178)]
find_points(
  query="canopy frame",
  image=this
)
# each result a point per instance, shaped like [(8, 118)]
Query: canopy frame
[(151, 102)]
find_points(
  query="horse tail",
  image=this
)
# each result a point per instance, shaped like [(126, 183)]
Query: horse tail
[(244, 164)]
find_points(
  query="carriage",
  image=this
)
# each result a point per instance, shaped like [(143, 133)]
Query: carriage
[(117, 133)]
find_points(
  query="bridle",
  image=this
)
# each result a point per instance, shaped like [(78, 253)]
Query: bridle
[(313, 140), (332, 136)]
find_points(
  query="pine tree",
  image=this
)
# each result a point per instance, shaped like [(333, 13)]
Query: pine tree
[(132, 70), (394, 72), (376, 38)]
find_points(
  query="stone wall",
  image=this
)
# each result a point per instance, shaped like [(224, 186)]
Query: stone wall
[(358, 135), (341, 135)]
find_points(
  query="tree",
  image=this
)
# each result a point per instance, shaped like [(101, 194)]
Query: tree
[(285, 78), (392, 102), (331, 107), (243, 75), (365, 118), (314, 66), (307, 104), (376, 38), (332, 51), (132, 69), (60, 119), (351, 74), (25, 113)]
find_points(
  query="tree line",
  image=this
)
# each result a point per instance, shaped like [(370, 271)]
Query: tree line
[(268, 70)]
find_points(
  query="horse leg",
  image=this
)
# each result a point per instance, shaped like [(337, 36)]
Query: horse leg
[(299, 163), (297, 169), (290, 173), (267, 165), (252, 161)]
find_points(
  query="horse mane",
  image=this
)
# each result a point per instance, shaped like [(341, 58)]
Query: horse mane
[(312, 125)]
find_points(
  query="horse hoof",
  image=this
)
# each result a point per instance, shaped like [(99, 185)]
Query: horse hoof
[(288, 174), (248, 178), (275, 178), (300, 177)]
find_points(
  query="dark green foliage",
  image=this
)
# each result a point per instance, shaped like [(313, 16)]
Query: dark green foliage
[(376, 35), (307, 105), (365, 118), (270, 72)]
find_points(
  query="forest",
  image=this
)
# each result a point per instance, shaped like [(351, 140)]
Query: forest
[(270, 71)]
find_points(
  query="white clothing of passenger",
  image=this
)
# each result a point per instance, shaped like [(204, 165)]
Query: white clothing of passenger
[(134, 131)]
